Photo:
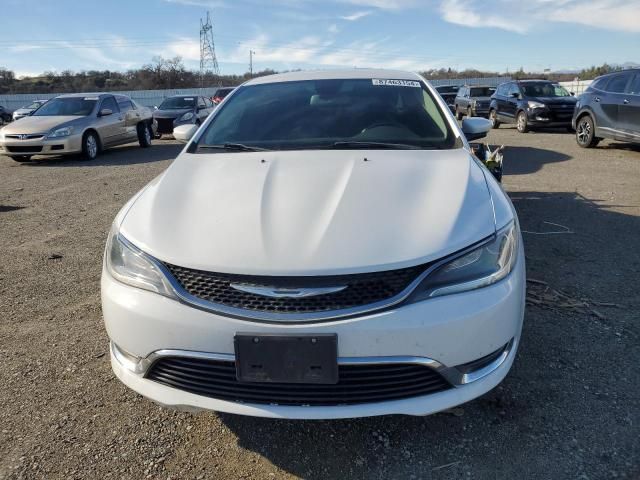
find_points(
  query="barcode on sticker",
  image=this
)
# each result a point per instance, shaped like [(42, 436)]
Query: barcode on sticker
[(396, 83)]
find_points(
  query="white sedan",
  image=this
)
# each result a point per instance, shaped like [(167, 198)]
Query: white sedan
[(325, 246)]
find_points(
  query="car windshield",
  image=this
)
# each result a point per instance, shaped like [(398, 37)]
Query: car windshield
[(482, 91), (177, 103), (544, 90), (313, 114), (78, 106), (33, 105)]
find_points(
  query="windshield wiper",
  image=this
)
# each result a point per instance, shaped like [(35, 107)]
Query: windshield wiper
[(372, 145), (237, 147)]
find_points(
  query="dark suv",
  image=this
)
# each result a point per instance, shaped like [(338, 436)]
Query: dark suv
[(448, 94), (473, 101), (532, 104), (609, 108)]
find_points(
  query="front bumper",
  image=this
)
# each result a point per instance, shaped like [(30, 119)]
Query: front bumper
[(543, 117), (43, 146), (449, 331)]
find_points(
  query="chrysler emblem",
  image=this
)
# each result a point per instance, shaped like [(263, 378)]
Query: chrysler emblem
[(275, 292)]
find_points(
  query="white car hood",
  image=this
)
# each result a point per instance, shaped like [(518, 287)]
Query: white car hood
[(311, 212)]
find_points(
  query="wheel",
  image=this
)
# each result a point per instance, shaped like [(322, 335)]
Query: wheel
[(585, 133), (21, 158), (493, 118), (521, 123), (90, 146), (458, 114), (469, 113), (144, 135)]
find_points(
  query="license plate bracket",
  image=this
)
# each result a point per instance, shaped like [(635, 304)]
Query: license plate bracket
[(265, 358)]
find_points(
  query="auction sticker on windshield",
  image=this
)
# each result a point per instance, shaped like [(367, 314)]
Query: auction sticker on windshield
[(396, 83)]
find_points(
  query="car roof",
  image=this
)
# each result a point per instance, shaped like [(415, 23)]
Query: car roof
[(479, 86), (533, 80), (342, 74), (632, 70), (77, 95)]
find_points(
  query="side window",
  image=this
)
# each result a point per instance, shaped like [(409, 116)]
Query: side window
[(598, 84), (618, 83), (634, 86), (503, 89), (513, 88), (125, 105), (201, 103), (109, 103)]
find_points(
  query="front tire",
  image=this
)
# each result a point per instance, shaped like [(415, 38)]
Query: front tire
[(586, 132), (493, 118), (90, 145), (144, 135), (522, 123), (21, 158)]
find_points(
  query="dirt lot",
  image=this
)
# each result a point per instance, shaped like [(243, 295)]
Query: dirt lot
[(569, 409)]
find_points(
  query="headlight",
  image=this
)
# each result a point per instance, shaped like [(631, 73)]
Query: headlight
[(61, 132), (478, 268), (128, 264), (536, 104), (186, 116)]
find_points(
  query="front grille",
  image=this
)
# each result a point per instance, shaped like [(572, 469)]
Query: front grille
[(165, 125), (30, 136), (562, 112), (357, 384), (362, 289), (24, 149)]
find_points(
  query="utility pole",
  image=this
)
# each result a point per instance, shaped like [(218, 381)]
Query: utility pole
[(208, 60), (251, 54)]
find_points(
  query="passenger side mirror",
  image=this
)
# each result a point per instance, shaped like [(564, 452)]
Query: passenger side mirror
[(475, 128), (515, 95), (183, 133), (573, 94), (105, 112)]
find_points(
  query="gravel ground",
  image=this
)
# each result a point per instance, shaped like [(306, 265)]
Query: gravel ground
[(569, 409)]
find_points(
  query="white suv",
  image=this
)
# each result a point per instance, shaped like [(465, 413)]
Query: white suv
[(326, 246)]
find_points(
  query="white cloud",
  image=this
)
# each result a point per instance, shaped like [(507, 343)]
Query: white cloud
[(521, 17), (333, 29), (357, 15), (384, 4), (187, 48)]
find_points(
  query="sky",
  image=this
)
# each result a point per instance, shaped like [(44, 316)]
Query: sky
[(498, 35)]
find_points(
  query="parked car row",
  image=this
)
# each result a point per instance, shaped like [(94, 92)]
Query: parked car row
[(89, 123), (609, 108), (78, 123)]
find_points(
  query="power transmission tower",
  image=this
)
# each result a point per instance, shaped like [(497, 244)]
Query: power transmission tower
[(208, 60)]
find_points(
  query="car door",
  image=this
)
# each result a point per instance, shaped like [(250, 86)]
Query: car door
[(629, 112), (131, 119), (110, 127), (501, 99), (610, 102), (511, 103), (203, 111)]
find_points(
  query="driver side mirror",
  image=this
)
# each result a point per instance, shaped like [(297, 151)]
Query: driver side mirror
[(183, 133), (573, 94), (105, 112), (515, 95), (475, 128)]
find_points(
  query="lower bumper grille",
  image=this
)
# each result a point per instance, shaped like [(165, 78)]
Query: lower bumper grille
[(24, 149), (165, 125), (358, 383)]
